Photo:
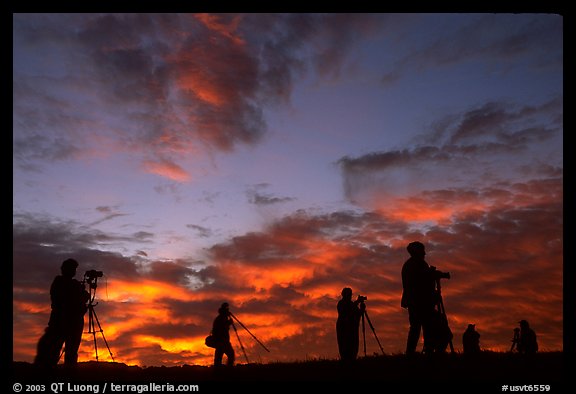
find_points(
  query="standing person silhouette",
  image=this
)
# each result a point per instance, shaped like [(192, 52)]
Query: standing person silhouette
[(471, 340), (527, 343), (418, 296), (221, 334), (69, 298), (347, 325)]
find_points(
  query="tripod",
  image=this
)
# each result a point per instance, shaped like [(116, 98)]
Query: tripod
[(93, 317), (248, 331), (365, 316), (442, 310), (515, 339)]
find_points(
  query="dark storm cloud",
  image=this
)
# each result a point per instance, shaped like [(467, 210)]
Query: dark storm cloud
[(162, 85)]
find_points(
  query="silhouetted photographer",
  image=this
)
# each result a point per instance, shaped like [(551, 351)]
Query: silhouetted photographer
[(527, 342), (421, 296), (69, 298), (221, 336), (348, 323)]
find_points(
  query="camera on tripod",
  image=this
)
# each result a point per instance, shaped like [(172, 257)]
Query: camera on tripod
[(91, 276), (439, 274)]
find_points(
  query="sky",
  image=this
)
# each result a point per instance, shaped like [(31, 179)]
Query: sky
[(269, 160)]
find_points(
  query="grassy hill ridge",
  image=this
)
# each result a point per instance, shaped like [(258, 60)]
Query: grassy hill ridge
[(541, 368)]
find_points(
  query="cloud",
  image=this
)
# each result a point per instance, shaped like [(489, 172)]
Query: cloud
[(283, 282), (481, 188), (110, 213), (491, 144), (164, 88), (168, 170), (203, 232), (486, 38), (257, 196)]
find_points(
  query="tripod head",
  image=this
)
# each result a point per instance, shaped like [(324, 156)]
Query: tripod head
[(437, 275), (361, 301), (91, 279)]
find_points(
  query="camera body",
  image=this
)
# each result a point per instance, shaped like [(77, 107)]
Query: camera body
[(362, 298), (439, 274), (93, 274)]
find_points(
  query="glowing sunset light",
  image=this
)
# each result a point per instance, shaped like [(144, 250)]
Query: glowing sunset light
[(146, 291), (172, 345), (264, 279), (169, 170), (214, 22), (199, 86), (269, 160)]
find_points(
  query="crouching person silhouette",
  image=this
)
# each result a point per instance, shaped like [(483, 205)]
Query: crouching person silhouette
[(528, 343), (69, 298), (471, 340), (221, 334)]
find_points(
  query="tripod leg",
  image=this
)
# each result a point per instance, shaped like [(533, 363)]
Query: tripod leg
[(240, 342), (91, 329), (101, 332), (248, 331), (443, 313), (374, 332)]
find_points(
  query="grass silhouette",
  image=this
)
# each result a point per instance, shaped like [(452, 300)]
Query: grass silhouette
[(541, 368)]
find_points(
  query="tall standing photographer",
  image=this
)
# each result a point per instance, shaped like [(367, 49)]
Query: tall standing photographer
[(69, 298), (419, 296)]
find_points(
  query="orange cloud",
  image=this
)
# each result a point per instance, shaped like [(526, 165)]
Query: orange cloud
[(216, 24), (203, 87), (265, 278), (167, 169), (284, 282), (146, 291)]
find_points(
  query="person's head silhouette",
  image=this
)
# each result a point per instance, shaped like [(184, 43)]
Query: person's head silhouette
[(224, 309), (347, 293), (68, 268), (416, 249)]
